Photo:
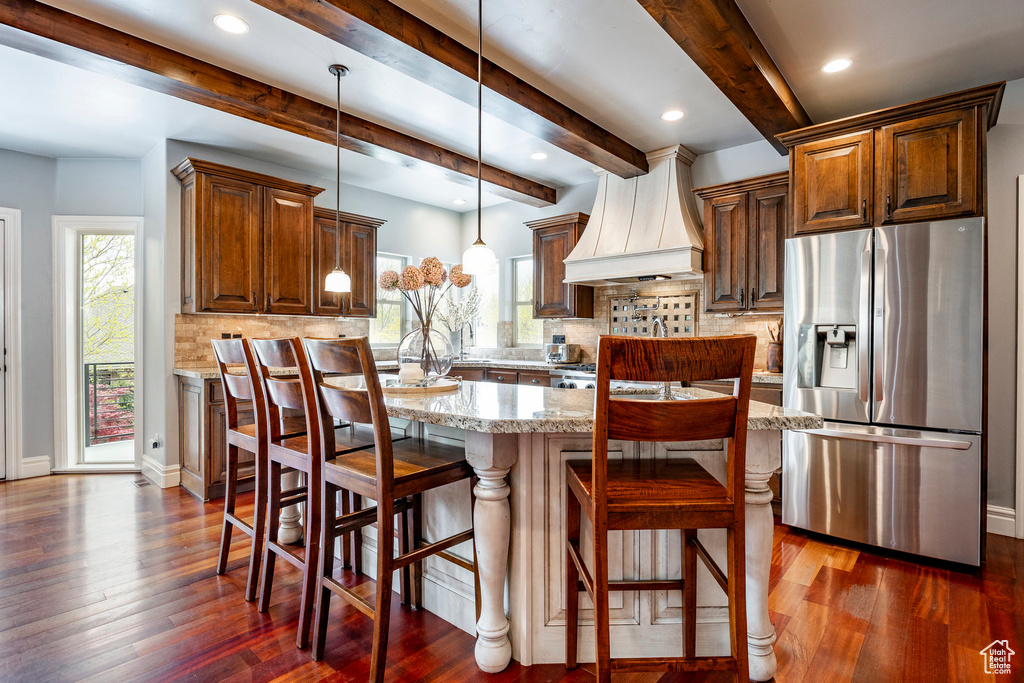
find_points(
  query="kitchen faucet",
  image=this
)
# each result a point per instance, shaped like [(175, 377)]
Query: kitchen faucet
[(666, 388)]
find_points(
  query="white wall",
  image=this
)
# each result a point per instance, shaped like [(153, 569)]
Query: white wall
[(1005, 163), (28, 183), (99, 187), (737, 163)]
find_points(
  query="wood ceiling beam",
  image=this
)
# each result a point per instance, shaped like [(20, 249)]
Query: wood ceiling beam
[(389, 34), (716, 35), (46, 31)]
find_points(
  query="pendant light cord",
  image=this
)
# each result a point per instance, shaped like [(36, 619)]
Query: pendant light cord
[(337, 198), (479, 119)]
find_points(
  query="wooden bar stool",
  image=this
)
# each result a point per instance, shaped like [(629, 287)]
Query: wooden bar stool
[(292, 452), (663, 494), (394, 476), (245, 437)]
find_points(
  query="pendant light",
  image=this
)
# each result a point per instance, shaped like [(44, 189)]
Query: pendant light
[(479, 259), (338, 280)]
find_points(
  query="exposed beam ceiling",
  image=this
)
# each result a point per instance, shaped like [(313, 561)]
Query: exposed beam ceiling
[(716, 35), (391, 35), (52, 33)]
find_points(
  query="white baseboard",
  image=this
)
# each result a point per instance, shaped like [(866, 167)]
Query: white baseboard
[(1002, 521), (38, 466), (164, 476)]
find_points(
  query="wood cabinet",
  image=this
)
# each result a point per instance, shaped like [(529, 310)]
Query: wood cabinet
[(535, 379), (501, 376), (358, 258), (246, 240), (202, 438), (917, 162), (745, 228), (553, 239)]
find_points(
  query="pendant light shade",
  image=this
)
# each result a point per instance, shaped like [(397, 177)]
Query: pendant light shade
[(479, 259), (338, 280)]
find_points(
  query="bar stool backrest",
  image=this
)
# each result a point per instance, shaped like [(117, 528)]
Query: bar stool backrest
[(239, 387), (365, 404), (674, 360), (286, 392)]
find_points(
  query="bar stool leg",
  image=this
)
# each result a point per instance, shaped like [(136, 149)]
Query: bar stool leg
[(273, 525), (323, 599), (737, 584), (603, 664), (356, 538), (385, 571), (405, 573), (572, 581), (689, 556), (259, 528), (229, 508), (311, 568)]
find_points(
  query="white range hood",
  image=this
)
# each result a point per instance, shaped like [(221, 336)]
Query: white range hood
[(642, 228)]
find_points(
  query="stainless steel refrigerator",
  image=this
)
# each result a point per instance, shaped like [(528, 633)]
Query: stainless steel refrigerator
[(884, 338)]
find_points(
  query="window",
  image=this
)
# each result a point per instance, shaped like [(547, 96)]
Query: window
[(387, 328), (486, 332), (528, 330)]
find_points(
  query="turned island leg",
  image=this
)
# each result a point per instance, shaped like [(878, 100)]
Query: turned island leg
[(763, 457), (492, 456)]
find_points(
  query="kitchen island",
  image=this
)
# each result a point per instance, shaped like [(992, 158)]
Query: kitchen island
[(517, 439)]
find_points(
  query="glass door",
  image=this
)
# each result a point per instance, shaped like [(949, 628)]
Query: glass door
[(106, 347)]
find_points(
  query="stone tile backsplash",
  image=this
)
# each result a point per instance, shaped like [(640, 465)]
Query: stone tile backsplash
[(192, 333)]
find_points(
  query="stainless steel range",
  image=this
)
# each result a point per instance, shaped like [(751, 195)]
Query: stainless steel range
[(575, 376)]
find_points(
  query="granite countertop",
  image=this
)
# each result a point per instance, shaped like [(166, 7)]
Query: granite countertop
[(210, 372), (516, 409)]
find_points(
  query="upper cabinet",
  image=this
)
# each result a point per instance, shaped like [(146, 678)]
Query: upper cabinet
[(918, 162), (246, 240), (745, 229), (252, 243), (553, 239), (358, 256)]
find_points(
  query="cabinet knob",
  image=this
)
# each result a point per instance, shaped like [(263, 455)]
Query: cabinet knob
[(753, 296), (535, 381), (741, 298), (864, 210), (888, 205)]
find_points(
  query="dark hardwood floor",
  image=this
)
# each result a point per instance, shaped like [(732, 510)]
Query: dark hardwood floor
[(107, 578)]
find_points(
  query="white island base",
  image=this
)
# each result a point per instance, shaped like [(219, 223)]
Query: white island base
[(520, 536)]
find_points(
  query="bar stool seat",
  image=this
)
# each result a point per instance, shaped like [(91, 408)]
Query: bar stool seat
[(289, 425), (414, 461), (672, 486)]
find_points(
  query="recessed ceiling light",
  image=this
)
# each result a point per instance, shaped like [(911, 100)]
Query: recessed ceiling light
[(539, 156), (837, 65), (230, 23), (458, 202), (672, 115)]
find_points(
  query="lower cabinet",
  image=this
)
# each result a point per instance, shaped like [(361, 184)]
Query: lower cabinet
[(535, 379), (201, 437), (501, 376)]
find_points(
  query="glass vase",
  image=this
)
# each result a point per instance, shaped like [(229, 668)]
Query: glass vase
[(429, 349), (456, 340)]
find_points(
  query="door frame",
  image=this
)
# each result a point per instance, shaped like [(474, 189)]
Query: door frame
[(15, 468), (1018, 500), (65, 228)]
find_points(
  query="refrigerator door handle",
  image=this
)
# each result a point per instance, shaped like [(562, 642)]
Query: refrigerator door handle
[(879, 303), (865, 323), (882, 438)]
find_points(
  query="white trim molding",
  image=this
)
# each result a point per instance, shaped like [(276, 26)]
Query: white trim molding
[(65, 324), (16, 465), (1002, 521), (1019, 488), (35, 467), (164, 476)]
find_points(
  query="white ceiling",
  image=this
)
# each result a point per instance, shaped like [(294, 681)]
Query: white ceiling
[(606, 59), (902, 50)]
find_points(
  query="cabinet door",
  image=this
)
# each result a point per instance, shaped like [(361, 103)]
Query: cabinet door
[(471, 374), (325, 255), (360, 258), (550, 293), (232, 267), (535, 379), (767, 227), (928, 168), (288, 227), (832, 181), (725, 261)]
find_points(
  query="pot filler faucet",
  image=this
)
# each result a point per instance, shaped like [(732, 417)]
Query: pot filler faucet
[(659, 325)]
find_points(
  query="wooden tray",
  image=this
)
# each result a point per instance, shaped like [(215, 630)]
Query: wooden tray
[(441, 386)]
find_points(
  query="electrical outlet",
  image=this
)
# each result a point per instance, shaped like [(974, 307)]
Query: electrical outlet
[(155, 443)]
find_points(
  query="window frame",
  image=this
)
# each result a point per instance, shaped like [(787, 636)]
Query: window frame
[(516, 303), (402, 304)]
